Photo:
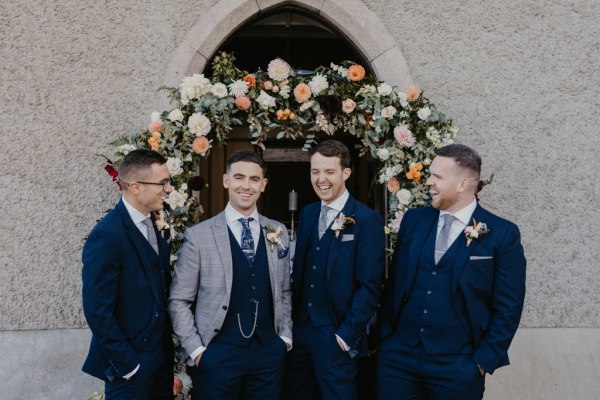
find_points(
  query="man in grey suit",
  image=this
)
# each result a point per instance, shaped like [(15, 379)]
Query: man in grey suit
[(235, 268)]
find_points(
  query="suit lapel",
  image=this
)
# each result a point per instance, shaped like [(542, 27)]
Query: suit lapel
[(304, 232), (144, 250), (221, 237), (463, 252), (336, 242), (271, 254), (422, 231)]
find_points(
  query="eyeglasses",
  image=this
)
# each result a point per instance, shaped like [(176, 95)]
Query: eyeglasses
[(165, 183)]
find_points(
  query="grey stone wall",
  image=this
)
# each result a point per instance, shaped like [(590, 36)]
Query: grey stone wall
[(518, 77)]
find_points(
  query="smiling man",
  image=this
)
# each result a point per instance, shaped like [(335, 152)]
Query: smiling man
[(125, 287), (336, 281), (454, 296), (235, 267)]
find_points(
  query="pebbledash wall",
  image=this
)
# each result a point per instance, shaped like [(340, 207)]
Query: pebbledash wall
[(519, 78)]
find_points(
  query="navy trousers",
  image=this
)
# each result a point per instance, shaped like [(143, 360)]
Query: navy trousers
[(317, 367), (153, 380), (250, 372), (409, 373)]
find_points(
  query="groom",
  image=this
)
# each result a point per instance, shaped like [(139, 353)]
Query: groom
[(455, 293), (235, 268)]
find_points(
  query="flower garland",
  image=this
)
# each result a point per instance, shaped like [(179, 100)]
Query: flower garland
[(401, 129)]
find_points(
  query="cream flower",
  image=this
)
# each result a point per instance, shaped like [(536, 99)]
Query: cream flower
[(348, 106), (404, 196), (199, 125), (219, 90), (174, 165), (193, 87), (265, 101), (175, 199), (238, 88), (423, 113), (318, 83), (388, 112), (278, 70), (404, 136), (126, 148), (383, 154), (384, 89), (175, 115)]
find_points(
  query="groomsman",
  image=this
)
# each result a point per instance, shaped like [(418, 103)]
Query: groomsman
[(336, 282), (235, 267), (455, 293), (125, 283)]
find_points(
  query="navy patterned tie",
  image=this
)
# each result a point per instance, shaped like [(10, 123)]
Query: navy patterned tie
[(247, 240)]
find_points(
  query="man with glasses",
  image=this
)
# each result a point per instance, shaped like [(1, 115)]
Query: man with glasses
[(125, 287)]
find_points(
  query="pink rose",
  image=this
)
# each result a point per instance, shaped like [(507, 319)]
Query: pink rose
[(302, 92), (348, 106), (404, 136), (242, 103)]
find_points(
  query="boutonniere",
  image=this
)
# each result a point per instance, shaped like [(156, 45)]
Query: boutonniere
[(473, 232), (340, 223), (274, 237)]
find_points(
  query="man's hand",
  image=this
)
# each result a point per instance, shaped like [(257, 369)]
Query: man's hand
[(197, 359), (481, 371)]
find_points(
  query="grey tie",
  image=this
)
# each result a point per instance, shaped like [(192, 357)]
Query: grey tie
[(323, 220), (151, 234), (441, 243)]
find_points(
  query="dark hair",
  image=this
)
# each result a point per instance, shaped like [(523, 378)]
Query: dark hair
[(248, 156), (464, 156), (334, 148), (137, 164)]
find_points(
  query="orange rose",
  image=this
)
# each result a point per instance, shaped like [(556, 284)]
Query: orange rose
[(156, 126), (154, 143), (251, 79), (412, 93), (242, 103), (393, 185), (356, 73), (156, 135), (414, 172), (200, 145), (302, 92)]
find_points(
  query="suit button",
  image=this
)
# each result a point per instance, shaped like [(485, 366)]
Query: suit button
[(421, 330), (310, 304), (312, 285), (216, 330), (434, 272), (155, 315), (404, 299), (224, 307), (145, 340), (425, 311), (318, 248), (314, 267), (429, 292)]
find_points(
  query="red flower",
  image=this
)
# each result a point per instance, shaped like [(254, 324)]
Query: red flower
[(113, 174)]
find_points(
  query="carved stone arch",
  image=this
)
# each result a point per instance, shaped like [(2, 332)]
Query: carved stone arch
[(361, 26)]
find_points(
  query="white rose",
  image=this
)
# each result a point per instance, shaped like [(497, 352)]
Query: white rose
[(183, 189), (403, 99), (318, 83), (265, 101), (219, 90), (238, 88), (285, 91), (423, 113), (199, 125), (155, 116), (384, 89), (126, 148), (383, 154), (404, 196), (278, 70), (388, 112), (193, 87), (175, 200), (176, 115), (174, 166)]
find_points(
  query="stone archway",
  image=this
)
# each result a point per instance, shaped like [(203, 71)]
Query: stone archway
[(351, 17)]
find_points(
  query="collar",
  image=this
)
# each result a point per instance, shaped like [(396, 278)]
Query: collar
[(464, 215), (233, 215), (339, 203), (135, 215)]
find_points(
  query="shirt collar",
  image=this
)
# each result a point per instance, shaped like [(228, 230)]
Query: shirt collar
[(135, 215), (233, 215), (464, 215), (339, 203)]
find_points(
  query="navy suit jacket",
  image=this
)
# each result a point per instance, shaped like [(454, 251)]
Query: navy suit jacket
[(488, 282), (122, 299), (356, 260)]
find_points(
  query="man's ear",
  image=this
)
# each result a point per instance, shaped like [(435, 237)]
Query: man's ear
[(226, 181), (346, 172)]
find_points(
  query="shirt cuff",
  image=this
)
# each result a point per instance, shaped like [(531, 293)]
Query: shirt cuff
[(132, 373), (288, 342), (197, 352), (346, 347)]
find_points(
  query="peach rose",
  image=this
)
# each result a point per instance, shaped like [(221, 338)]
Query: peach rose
[(156, 135), (200, 145), (414, 172), (393, 185), (356, 73), (268, 85), (156, 126), (348, 106), (412, 93), (251, 79), (302, 92), (154, 143), (242, 103)]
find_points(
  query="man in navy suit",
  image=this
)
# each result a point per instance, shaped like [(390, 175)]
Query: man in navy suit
[(125, 287), (455, 292), (336, 282)]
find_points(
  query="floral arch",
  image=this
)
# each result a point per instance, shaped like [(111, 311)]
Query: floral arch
[(399, 127)]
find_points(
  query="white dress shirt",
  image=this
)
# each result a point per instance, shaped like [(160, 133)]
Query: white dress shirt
[(462, 218)]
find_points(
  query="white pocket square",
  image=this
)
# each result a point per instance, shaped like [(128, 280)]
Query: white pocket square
[(480, 257), (347, 238)]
